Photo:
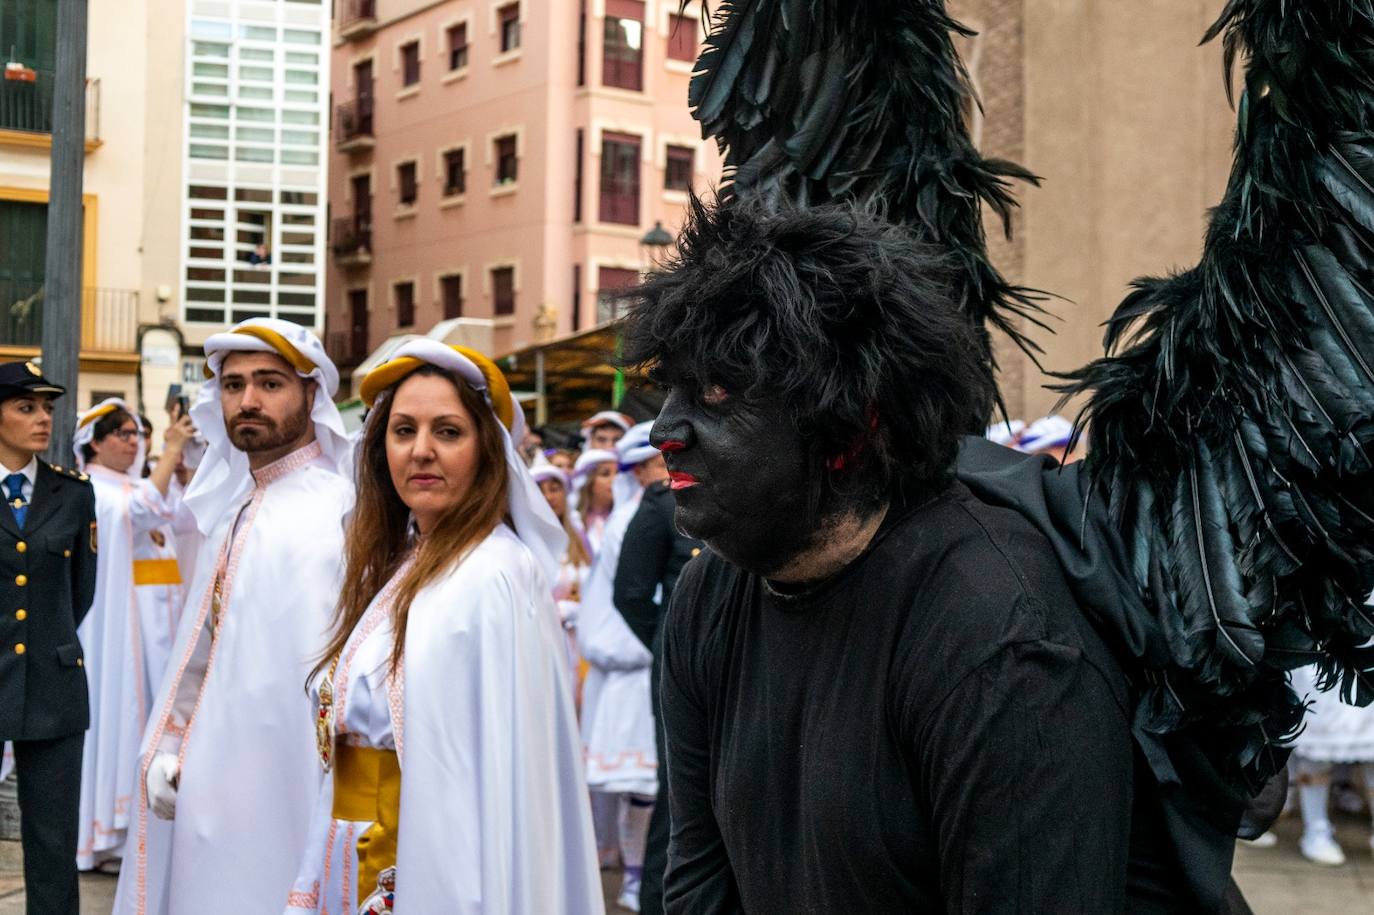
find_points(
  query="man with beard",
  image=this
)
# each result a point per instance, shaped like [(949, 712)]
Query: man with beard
[(879, 693), (229, 766)]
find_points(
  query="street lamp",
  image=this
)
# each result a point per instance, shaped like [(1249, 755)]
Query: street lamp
[(654, 245)]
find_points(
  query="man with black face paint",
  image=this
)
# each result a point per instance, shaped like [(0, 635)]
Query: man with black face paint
[(879, 693)]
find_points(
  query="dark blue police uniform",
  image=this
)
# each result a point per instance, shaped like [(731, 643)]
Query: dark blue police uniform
[(47, 582)]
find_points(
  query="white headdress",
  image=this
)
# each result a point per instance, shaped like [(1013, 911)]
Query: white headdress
[(223, 476), (542, 470), (1051, 431), (632, 450), (1004, 432), (85, 433)]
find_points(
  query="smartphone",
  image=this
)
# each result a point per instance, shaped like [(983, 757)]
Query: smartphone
[(176, 403)]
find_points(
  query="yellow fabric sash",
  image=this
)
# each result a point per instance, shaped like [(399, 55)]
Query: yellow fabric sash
[(156, 572), (367, 789)]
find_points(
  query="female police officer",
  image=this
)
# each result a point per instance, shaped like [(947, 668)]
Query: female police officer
[(47, 580)]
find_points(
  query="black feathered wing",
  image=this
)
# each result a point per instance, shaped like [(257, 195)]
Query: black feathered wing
[(818, 100), (1232, 421)]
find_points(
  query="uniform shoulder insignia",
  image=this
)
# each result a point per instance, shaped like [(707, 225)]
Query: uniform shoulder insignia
[(70, 473)]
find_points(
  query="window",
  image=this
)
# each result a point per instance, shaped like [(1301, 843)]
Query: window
[(405, 304), (28, 31), (357, 320), (458, 46), (406, 182), (503, 290), (24, 228), (678, 168), (582, 43), (620, 179), (410, 63), (577, 181), (507, 162), (455, 173), (509, 17), (610, 282), (451, 291), (682, 38), (622, 51), (577, 298)]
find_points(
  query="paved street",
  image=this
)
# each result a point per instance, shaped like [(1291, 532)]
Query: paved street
[(1277, 881)]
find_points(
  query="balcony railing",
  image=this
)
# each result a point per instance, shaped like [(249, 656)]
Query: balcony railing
[(109, 320), (109, 317), (26, 100), (357, 18), (351, 239), (353, 122), (346, 347)]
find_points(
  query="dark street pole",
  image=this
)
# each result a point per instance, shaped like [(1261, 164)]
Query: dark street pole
[(62, 272)]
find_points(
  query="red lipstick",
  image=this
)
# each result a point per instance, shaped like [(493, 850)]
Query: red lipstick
[(670, 445), (679, 480)]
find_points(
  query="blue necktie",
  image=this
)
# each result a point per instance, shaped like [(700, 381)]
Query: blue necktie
[(14, 490)]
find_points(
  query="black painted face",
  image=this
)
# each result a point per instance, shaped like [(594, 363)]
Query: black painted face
[(739, 470)]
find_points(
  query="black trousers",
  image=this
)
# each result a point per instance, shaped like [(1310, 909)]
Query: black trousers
[(49, 774)]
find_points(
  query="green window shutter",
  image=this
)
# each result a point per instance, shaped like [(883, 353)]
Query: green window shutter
[(28, 33), (23, 249)]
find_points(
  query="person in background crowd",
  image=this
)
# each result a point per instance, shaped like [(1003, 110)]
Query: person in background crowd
[(603, 430), (1048, 435), (158, 586), (531, 445), (1335, 733), (444, 708), (48, 549), (574, 565), (109, 446), (651, 558), (260, 256), (617, 711), (593, 479), (562, 458), (225, 758)]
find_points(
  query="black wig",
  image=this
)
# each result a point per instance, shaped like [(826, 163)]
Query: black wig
[(845, 317)]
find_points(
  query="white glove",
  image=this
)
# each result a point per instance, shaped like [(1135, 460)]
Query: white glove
[(163, 772)]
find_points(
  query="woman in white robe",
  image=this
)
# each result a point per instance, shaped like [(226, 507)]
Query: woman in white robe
[(456, 780), (107, 445), (573, 567)]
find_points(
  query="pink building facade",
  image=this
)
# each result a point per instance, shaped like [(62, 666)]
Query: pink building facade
[(501, 161)]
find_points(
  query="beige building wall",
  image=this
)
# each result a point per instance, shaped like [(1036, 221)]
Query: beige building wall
[(1125, 118), (113, 187)]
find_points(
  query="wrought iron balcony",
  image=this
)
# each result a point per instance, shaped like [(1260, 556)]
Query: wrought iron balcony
[(346, 347), (353, 123), (351, 240), (26, 102), (109, 317), (357, 18)]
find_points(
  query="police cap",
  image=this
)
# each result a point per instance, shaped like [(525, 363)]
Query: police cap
[(19, 378)]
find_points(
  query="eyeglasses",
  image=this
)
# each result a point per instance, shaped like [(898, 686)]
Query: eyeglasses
[(125, 435)]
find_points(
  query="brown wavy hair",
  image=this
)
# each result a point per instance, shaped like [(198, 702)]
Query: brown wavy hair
[(378, 538)]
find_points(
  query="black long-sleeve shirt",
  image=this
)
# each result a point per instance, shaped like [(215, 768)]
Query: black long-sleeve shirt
[(934, 729)]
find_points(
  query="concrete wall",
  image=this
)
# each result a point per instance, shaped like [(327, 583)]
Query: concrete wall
[(165, 76)]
